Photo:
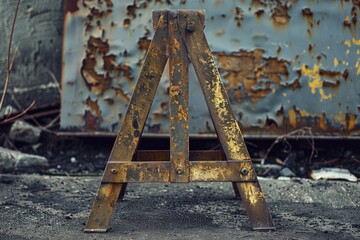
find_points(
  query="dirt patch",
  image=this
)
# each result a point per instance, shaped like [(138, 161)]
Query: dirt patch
[(46, 207)]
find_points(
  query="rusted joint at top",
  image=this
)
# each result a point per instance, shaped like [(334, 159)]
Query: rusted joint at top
[(176, 13)]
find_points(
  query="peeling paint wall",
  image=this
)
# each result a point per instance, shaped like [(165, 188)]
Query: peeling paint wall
[(38, 36), (285, 64)]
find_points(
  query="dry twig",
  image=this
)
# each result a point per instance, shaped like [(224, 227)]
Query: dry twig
[(9, 66), (10, 63), (305, 131)]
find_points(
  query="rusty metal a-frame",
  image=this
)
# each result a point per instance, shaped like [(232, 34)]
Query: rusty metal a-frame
[(178, 38)]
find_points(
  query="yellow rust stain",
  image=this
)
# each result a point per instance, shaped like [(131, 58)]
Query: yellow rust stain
[(347, 43), (315, 82), (322, 122), (357, 65), (347, 120), (347, 52), (356, 41), (248, 68), (336, 62), (253, 193), (231, 127), (292, 118), (304, 113), (119, 92), (280, 14), (93, 106), (141, 176), (182, 114), (175, 45), (352, 122), (106, 190)]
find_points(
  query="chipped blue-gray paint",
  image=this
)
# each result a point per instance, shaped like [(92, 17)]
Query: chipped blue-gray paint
[(225, 36)]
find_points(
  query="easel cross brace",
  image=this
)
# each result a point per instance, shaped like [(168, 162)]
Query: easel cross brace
[(178, 38)]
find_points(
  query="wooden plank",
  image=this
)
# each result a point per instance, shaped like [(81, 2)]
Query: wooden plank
[(200, 171), (222, 115), (164, 155), (221, 171), (132, 172), (132, 126), (179, 102)]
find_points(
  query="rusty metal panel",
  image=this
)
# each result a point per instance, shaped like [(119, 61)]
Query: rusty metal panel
[(285, 65)]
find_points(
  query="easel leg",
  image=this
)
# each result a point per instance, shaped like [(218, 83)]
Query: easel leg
[(122, 192), (223, 118), (131, 129), (103, 207), (236, 190), (254, 202)]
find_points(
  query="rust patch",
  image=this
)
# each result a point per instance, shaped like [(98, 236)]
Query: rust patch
[(309, 16), (253, 72), (279, 14), (121, 94), (94, 107), (71, 6), (97, 83), (96, 45), (143, 43), (239, 16), (92, 123), (335, 75), (110, 64), (356, 3), (109, 3), (258, 3), (323, 122), (126, 22), (259, 13)]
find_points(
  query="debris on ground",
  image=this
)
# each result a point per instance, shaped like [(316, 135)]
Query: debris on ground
[(333, 174), (24, 132), (11, 160), (56, 207)]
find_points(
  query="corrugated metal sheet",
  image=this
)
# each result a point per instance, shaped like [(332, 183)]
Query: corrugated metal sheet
[(285, 64)]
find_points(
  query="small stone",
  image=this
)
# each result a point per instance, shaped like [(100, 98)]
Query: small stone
[(334, 174), (73, 160), (24, 132), (286, 172), (11, 160)]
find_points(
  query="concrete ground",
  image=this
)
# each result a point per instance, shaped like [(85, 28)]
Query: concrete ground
[(49, 207)]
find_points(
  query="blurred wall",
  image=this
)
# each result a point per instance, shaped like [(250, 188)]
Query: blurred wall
[(38, 35)]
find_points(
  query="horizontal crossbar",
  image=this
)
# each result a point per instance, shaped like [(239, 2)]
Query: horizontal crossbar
[(159, 171), (164, 155)]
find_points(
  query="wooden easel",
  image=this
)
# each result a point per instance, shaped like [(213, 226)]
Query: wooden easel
[(178, 37)]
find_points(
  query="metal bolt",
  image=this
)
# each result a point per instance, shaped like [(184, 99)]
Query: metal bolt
[(179, 170), (244, 171), (190, 27), (114, 171)]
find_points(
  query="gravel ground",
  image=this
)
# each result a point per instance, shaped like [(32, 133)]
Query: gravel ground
[(53, 207)]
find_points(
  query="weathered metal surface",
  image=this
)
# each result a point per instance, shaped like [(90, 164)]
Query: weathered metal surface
[(164, 155), (200, 171), (222, 171), (104, 205), (223, 118), (131, 172), (132, 127), (185, 38), (285, 64), (179, 102)]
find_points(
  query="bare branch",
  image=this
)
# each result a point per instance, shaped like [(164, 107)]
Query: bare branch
[(305, 131), (9, 62), (23, 112)]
